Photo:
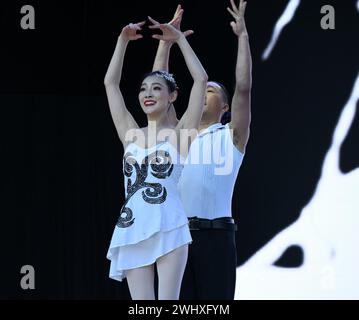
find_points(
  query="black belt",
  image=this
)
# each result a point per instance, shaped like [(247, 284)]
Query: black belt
[(220, 223)]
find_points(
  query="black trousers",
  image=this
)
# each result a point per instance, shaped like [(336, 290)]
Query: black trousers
[(211, 267)]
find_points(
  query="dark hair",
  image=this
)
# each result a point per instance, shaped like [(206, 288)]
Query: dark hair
[(227, 117), (225, 93), (170, 81)]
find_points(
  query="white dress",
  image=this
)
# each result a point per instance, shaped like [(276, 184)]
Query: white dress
[(152, 221)]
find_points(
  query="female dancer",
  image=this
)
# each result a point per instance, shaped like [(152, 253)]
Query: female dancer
[(153, 227)]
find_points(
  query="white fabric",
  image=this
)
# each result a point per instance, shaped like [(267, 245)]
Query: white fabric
[(147, 252), (158, 228), (209, 175)]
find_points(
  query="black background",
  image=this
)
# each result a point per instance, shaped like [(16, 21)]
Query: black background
[(61, 172)]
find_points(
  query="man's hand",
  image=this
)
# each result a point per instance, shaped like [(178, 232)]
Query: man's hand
[(239, 25), (177, 20)]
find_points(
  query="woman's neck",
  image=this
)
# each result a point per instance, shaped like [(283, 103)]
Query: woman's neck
[(159, 121)]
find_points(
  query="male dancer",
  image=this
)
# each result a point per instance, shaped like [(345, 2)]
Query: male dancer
[(207, 189)]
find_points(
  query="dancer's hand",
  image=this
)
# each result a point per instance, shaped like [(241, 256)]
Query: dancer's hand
[(239, 25), (170, 33), (129, 33), (177, 20)]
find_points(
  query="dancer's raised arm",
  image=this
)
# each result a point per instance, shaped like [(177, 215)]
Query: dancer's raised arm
[(163, 54), (192, 116), (122, 118), (241, 103), (164, 47)]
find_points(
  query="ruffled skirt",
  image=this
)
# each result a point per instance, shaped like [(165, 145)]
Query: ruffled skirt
[(145, 252)]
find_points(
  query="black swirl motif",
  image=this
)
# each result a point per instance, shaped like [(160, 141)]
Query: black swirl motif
[(127, 220), (161, 166)]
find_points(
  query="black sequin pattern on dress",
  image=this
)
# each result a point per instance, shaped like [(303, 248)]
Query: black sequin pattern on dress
[(160, 166)]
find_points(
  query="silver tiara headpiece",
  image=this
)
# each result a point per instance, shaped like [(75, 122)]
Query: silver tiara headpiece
[(168, 76)]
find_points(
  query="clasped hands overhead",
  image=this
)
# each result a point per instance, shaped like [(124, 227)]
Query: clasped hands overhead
[(171, 32)]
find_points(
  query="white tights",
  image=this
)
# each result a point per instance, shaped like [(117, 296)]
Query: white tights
[(170, 269)]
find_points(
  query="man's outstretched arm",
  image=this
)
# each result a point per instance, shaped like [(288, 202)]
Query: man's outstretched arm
[(241, 103)]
